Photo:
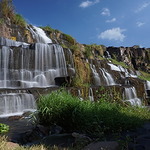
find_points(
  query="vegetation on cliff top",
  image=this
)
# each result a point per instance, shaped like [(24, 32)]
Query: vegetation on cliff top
[(7, 11)]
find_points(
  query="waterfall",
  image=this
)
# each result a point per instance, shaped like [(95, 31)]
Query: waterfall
[(91, 96), (79, 95), (96, 77), (23, 66), (34, 68), (107, 54), (147, 89), (147, 85), (131, 96), (16, 103), (39, 35), (107, 76), (114, 67), (8, 42)]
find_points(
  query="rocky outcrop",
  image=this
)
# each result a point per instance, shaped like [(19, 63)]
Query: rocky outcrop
[(138, 58)]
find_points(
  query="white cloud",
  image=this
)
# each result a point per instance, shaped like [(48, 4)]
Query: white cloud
[(105, 12), (113, 34), (111, 20), (143, 6), (139, 24), (88, 3)]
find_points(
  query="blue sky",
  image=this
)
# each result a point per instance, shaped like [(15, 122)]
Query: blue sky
[(107, 22)]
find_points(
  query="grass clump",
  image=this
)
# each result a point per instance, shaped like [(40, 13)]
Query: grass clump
[(88, 51), (144, 76), (96, 118), (119, 63), (68, 38), (19, 20), (48, 29)]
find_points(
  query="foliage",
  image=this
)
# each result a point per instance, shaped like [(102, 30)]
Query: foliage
[(119, 63), (74, 47), (7, 9), (68, 38), (4, 128), (88, 51), (19, 20), (48, 29), (94, 49), (144, 76), (83, 73), (96, 118)]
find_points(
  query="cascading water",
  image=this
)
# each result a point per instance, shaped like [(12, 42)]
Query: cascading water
[(8, 42), (16, 103), (35, 68), (39, 35), (96, 77), (147, 85), (107, 55), (147, 89), (91, 96), (122, 69), (107, 76), (131, 96), (23, 66), (79, 95)]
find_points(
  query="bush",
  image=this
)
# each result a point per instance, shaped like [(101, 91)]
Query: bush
[(4, 128), (96, 118)]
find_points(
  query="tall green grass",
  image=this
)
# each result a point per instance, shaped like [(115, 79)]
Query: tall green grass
[(69, 112), (19, 20)]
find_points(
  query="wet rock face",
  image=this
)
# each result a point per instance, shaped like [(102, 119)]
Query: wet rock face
[(15, 32), (132, 56)]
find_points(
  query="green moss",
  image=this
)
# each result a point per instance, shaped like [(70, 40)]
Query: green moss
[(119, 63), (101, 58), (144, 76), (83, 73)]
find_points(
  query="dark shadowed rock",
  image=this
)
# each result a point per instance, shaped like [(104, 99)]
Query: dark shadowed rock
[(61, 81)]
